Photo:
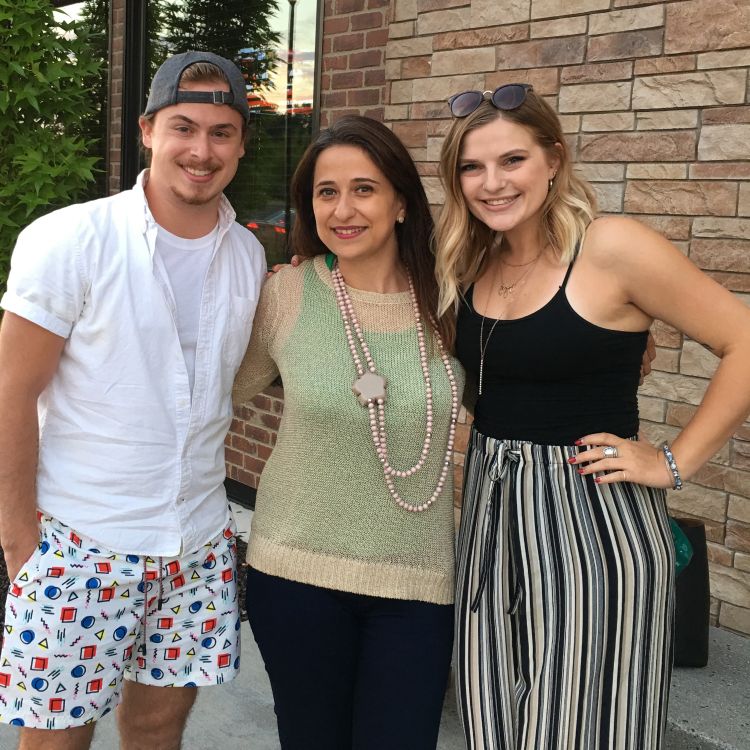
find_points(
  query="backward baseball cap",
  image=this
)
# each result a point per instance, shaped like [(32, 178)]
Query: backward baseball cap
[(165, 86)]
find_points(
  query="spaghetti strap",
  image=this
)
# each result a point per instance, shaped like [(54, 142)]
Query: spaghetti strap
[(570, 266)]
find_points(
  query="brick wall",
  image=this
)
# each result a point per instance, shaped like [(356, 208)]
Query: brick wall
[(116, 67), (655, 103)]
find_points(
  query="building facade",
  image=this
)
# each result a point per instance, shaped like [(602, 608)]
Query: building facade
[(655, 102)]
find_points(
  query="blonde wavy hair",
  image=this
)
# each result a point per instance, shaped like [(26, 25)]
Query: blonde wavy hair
[(462, 241)]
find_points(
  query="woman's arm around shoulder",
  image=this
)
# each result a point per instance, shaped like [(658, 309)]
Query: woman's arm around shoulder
[(278, 306)]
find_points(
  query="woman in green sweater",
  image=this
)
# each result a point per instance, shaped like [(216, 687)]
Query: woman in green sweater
[(350, 586)]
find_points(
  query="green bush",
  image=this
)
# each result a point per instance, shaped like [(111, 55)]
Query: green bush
[(46, 69)]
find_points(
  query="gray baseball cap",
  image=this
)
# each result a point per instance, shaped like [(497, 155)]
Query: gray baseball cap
[(165, 87)]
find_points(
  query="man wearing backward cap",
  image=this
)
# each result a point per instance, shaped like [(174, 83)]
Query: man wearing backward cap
[(126, 319)]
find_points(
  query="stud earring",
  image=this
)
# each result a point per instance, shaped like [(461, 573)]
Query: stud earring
[(400, 219), (551, 181)]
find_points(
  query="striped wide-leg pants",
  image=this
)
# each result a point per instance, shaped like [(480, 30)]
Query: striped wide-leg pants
[(564, 605)]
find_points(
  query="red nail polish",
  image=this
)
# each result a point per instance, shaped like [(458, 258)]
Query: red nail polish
[(598, 480), (580, 471), (572, 460), (579, 442)]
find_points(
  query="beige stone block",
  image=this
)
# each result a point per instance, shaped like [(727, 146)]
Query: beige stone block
[(697, 25), (672, 227), (731, 480), (401, 91), (495, 35), (544, 80), (738, 536), (401, 30), (451, 19), (674, 387), (542, 53), (724, 142), (721, 255), (739, 509), (600, 172), (657, 171), (464, 60), (730, 585), (682, 197), (665, 335), (396, 112), (719, 554), (679, 414), (697, 360), (496, 12), (742, 561), (593, 97), (667, 360), (673, 145), (597, 72), (607, 121), (404, 10), (698, 89), (408, 47), (657, 433), (735, 58), (655, 65), (723, 170), (440, 89), (609, 196), (558, 27), (392, 70), (734, 618), (652, 409), (551, 8), (434, 190), (726, 115), (626, 20), (625, 45), (702, 502), (733, 229), (743, 206), (670, 119), (570, 123)]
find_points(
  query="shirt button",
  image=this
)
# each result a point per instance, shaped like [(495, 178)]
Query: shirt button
[(182, 499)]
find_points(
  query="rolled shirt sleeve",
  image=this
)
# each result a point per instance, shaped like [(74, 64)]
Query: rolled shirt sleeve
[(47, 281)]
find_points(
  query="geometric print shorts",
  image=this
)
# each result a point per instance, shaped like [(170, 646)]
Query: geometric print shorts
[(77, 622)]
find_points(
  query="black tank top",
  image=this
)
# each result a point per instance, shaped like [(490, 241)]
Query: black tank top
[(551, 377)]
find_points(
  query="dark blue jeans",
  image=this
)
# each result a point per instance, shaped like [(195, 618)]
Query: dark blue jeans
[(351, 672)]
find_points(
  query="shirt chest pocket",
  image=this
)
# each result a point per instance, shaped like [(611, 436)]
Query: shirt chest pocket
[(239, 322)]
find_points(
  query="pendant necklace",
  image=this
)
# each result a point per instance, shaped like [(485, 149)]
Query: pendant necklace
[(505, 290), (370, 390), (482, 343)]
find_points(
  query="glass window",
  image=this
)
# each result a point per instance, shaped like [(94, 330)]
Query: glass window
[(94, 16), (273, 42)]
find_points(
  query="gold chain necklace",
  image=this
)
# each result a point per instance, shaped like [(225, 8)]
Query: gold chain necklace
[(505, 290)]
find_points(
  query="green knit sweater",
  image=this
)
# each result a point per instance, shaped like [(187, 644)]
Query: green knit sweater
[(323, 514)]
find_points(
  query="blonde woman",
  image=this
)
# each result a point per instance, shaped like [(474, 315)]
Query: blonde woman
[(565, 561)]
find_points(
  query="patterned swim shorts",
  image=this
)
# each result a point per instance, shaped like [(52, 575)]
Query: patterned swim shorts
[(77, 623)]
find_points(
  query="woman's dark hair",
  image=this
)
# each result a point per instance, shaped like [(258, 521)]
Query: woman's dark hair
[(414, 236)]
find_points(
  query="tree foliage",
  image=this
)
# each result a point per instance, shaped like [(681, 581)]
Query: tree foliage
[(45, 70)]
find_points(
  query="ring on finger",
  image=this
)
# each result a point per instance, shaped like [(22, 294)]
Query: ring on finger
[(610, 451)]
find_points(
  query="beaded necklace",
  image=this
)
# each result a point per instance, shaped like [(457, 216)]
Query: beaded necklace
[(370, 389)]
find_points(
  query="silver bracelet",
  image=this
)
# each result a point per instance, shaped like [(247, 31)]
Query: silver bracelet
[(672, 466)]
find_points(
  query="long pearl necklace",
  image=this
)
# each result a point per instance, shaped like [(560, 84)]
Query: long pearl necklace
[(370, 390)]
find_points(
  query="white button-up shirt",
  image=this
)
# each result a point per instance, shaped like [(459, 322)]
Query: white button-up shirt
[(125, 455)]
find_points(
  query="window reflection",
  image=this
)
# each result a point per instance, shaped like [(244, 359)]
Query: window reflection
[(273, 43)]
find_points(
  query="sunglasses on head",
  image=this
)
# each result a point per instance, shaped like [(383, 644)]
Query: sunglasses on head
[(507, 97)]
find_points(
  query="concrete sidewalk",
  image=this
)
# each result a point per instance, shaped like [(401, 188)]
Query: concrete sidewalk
[(710, 708)]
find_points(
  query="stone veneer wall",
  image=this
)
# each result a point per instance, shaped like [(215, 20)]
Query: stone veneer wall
[(655, 103)]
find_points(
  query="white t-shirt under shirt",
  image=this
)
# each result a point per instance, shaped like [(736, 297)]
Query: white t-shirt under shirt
[(186, 263)]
